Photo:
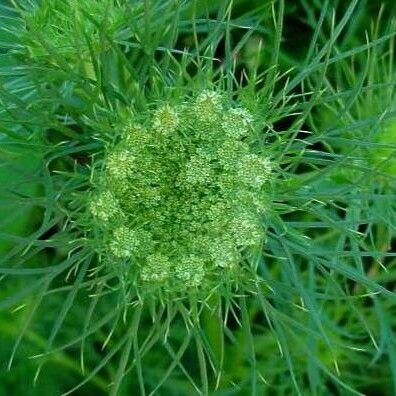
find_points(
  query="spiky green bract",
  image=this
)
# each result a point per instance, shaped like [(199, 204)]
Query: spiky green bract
[(367, 86), (182, 193), (64, 26)]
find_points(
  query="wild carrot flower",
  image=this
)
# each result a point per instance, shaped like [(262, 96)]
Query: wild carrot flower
[(187, 188)]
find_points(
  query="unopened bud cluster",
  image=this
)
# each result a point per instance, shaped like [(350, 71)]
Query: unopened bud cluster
[(181, 195)]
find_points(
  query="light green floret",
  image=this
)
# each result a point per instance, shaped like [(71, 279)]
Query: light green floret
[(198, 171), (128, 242), (254, 170), (237, 123), (104, 206), (190, 270), (124, 242), (165, 120), (120, 164), (223, 252), (188, 194), (157, 268), (208, 108), (245, 229), (230, 153)]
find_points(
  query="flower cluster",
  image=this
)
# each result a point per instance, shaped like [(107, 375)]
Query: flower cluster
[(181, 195)]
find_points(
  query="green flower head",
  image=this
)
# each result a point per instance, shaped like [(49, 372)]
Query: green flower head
[(188, 193)]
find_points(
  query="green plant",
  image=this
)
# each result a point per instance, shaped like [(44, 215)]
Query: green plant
[(194, 218), (180, 196), (371, 102)]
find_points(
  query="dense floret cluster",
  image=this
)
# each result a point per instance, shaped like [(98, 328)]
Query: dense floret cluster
[(181, 195)]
